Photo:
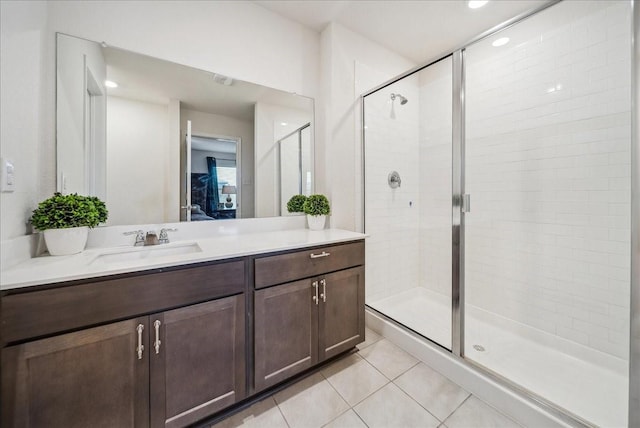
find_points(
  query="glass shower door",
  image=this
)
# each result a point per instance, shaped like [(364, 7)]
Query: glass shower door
[(408, 130), (547, 167)]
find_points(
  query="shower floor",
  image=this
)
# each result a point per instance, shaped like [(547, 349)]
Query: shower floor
[(586, 382)]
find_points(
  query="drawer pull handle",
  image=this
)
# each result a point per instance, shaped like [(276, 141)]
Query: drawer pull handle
[(323, 295), (315, 299), (140, 347), (317, 256), (156, 344)]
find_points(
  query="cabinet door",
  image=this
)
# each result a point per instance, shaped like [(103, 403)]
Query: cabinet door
[(199, 367), (286, 332), (90, 378), (341, 319)]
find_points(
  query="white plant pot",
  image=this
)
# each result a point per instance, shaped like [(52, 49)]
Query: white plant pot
[(316, 222), (63, 242)]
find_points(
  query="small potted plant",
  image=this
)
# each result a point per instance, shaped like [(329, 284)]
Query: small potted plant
[(296, 203), (65, 221), (317, 208)]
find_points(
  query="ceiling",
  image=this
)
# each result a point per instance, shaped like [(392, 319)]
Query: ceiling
[(417, 30), (154, 80)]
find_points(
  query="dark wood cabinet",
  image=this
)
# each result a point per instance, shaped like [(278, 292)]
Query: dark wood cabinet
[(301, 323), (168, 369), (89, 378), (341, 316), (172, 346), (286, 332), (159, 367), (198, 367)]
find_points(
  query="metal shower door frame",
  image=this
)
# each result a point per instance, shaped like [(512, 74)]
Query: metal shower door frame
[(458, 219)]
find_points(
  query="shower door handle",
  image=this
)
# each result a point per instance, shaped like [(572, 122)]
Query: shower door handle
[(465, 205)]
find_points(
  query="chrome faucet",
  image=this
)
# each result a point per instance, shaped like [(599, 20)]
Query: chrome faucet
[(139, 237), (164, 235)]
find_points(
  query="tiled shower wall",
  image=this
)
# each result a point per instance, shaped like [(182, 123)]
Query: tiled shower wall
[(548, 170), (392, 215), (435, 157)]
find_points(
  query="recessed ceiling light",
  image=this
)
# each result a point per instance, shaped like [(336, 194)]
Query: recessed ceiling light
[(110, 84), (501, 41), (475, 4), (283, 123)]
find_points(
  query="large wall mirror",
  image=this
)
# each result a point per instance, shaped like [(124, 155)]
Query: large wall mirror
[(161, 142)]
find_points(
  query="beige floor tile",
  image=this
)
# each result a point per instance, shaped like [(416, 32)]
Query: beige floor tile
[(390, 360), (262, 414), (311, 402), (435, 392), (371, 337), (348, 419), (475, 413), (390, 407), (354, 378)]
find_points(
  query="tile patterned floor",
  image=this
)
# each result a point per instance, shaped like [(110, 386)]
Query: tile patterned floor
[(381, 386)]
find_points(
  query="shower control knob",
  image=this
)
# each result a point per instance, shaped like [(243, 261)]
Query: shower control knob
[(394, 180)]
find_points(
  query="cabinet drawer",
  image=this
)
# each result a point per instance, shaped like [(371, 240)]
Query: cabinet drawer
[(104, 300), (303, 264)]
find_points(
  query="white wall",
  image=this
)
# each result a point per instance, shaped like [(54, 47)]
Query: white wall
[(207, 124), (548, 170), (138, 151), (25, 111), (239, 39)]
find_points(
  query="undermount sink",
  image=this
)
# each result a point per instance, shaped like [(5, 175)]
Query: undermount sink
[(146, 253)]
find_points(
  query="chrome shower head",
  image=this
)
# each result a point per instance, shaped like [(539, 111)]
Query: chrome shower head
[(403, 100)]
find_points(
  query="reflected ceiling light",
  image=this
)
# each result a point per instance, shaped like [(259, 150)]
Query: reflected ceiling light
[(558, 87), (110, 84), (500, 42), (475, 4)]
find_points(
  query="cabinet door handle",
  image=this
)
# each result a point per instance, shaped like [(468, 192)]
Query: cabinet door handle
[(140, 347), (317, 256), (314, 284), (156, 344), (323, 282)]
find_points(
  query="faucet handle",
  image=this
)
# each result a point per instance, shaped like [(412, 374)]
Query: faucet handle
[(164, 235), (139, 236)]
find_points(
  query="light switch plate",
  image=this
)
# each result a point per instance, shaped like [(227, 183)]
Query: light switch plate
[(8, 175)]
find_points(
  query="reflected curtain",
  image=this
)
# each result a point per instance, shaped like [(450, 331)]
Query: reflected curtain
[(213, 196)]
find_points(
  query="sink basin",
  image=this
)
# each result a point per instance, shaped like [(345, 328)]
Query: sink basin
[(147, 253)]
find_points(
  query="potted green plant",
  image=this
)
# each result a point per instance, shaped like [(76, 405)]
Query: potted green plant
[(317, 208), (65, 221), (295, 203)]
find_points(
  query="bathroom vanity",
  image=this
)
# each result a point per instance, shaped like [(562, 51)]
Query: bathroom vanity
[(174, 344)]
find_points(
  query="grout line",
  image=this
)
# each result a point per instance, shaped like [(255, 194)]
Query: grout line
[(359, 417), (416, 401), (456, 409), (282, 413), (368, 395)]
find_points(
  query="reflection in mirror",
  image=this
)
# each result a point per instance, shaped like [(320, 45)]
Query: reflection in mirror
[(294, 166), (215, 168), (126, 142)]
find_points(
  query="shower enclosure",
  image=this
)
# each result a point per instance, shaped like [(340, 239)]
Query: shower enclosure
[(506, 237)]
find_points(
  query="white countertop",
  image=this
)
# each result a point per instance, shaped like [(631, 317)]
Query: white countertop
[(48, 269)]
